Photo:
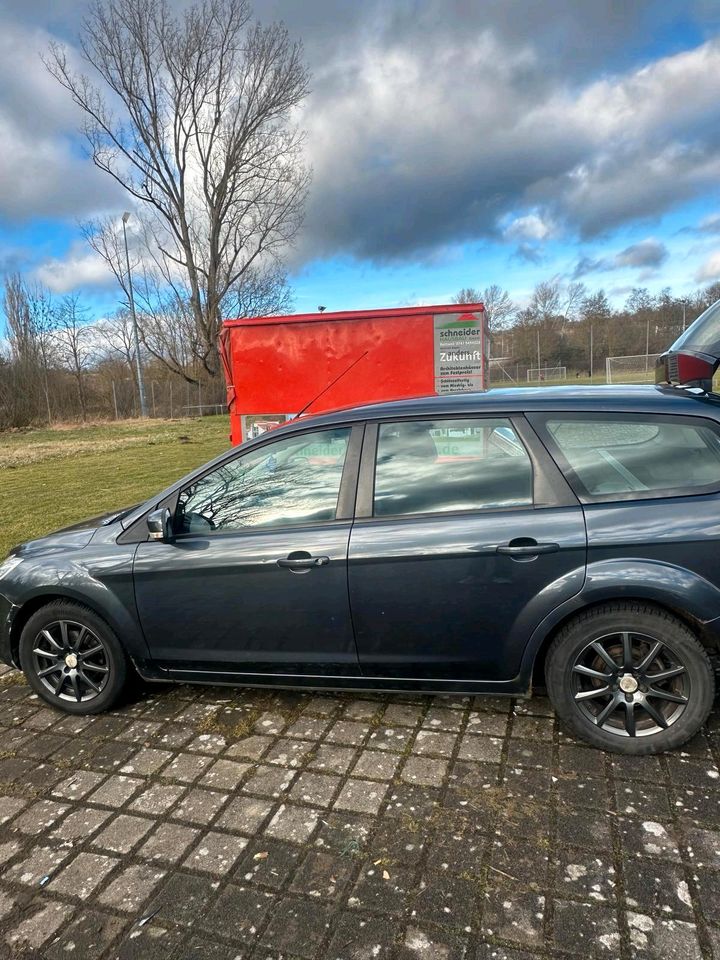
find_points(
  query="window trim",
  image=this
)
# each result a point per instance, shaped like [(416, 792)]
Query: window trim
[(539, 422), (549, 487)]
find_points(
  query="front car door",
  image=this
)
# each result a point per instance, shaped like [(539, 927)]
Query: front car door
[(254, 579), (466, 536)]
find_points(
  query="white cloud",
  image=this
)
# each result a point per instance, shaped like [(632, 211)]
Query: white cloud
[(42, 170), (529, 227), (709, 224), (43, 177), (79, 268), (671, 95), (646, 253), (709, 270), (29, 94)]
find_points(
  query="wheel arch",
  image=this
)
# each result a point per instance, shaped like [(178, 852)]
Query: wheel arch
[(40, 600), (24, 613), (707, 636)]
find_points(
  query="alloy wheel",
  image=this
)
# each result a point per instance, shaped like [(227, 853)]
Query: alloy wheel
[(630, 684), (71, 661)]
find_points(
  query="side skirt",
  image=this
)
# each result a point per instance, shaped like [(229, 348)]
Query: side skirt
[(495, 688)]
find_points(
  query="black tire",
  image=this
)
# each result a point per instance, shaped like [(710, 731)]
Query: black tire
[(84, 657), (640, 705)]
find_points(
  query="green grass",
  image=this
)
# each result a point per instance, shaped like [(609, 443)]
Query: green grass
[(53, 477), (598, 379)]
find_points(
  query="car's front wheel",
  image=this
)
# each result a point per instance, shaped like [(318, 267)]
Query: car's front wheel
[(72, 658), (630, 678)]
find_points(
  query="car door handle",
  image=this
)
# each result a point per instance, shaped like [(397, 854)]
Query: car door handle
[(303, 563), (521, 548)]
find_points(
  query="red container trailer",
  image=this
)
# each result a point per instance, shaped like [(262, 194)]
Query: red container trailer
[(276, 367)]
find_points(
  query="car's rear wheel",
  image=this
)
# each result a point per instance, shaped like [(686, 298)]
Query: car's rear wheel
[(630, 678), (72, 658)]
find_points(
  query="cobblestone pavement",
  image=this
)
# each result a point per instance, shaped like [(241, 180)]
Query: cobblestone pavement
[(216, 824)]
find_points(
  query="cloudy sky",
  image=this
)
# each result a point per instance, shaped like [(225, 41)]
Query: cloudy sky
[(453, 143)]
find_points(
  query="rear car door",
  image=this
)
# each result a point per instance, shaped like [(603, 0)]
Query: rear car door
[(649, 484), (254, 579), (466, 536)]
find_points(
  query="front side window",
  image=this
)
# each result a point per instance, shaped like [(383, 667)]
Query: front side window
[(292, 480), (624, 456), (433, 466)]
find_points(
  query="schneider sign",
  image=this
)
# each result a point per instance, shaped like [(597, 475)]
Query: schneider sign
[(460, 350)]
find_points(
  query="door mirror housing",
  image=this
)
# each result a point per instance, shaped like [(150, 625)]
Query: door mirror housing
[(158, 524)]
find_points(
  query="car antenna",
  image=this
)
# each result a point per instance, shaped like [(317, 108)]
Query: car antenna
[(331, 384)]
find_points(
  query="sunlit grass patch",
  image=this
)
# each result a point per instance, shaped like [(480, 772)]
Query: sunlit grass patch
[(53, 477)]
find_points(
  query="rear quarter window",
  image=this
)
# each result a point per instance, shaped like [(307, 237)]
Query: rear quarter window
[(634, 458)]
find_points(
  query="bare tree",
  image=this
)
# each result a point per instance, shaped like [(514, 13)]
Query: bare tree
[(75, 344), (467, 295), (262, 293), (20, 329), (44, 312), (23, 369), (166, 323), (29, 313), (575, 294), (203, 139), (169, 334), (546, 299), (117, 335), (499, 308)]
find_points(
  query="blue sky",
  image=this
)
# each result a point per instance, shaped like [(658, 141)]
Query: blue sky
[(344, 282), (452, 144)]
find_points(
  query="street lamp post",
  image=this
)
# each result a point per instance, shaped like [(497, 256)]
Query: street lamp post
[(138, 364)]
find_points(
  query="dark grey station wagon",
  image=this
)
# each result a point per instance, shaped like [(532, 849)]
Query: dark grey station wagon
[(469, 544)]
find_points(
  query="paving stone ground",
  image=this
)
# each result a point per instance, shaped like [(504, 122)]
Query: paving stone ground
[(219, 824)]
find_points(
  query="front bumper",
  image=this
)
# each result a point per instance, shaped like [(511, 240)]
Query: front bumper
[(7, 613)]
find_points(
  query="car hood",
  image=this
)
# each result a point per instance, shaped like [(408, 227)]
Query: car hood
[(74, 537)]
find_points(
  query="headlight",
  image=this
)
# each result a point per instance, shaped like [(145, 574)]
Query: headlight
[(8, 565)]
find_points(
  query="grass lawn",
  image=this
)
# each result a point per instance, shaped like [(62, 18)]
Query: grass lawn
[(598, 379), (54, 477)]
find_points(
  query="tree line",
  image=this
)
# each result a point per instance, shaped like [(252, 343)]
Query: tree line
[(566, 324), (57, 365)]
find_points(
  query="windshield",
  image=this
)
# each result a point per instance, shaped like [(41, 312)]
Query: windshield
[(703, 335)]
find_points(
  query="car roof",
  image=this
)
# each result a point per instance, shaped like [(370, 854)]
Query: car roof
[(641, 398)]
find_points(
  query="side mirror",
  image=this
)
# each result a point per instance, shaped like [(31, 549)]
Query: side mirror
[(158, 524)]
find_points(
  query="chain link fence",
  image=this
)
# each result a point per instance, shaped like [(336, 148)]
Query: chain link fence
[(165, 399), (60, 397), (508, 373)]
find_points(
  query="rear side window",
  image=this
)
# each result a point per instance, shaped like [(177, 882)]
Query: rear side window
[(633, 458), (433, 466)]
